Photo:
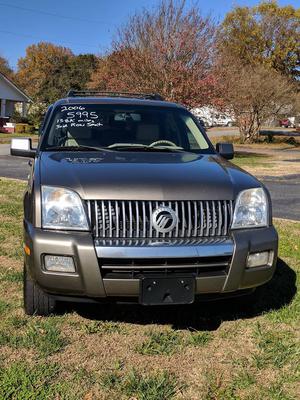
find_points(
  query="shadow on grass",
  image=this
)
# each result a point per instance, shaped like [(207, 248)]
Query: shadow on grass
[(252, 157), (274, 295), (249, 154)]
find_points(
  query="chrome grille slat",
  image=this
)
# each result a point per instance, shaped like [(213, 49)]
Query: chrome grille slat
[(225, 217), (133, 219), (137, 219), (144, 219), (207, 218), (124, 218), (130, 218), (195, 218), (177, 225), (189, 228), (183, 219), (201, 219), (110, 225), (150, 218), (117, 219), (103, 219), (170, 205), (220, 219), (214, 219), (96, 219)]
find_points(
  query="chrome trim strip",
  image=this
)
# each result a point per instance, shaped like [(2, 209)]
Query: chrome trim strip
[(166, 250)]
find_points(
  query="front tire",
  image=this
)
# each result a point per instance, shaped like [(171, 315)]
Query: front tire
[(36, 301)]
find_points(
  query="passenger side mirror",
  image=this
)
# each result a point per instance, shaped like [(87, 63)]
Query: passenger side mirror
[(22, 147), (225, 150)]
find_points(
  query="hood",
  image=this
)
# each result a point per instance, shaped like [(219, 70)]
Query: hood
[(144, 176)]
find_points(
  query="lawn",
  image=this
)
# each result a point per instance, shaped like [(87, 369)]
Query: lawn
[(223, 351), (253, 160), (5, 138)]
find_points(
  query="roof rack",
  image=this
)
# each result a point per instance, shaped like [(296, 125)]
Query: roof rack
[(101, 93)]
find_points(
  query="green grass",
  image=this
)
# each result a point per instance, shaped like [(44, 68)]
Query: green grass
[(12, 135), (200, 338), (19, 381), (4, 306), (103, 327), (275, 348), (133, 385), (13, 276), (44, 336), (159, 343), (252, 160), (41, 381), (200, 352)]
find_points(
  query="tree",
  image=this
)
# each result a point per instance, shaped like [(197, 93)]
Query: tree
[(266, 34), (168, 50), (254, 93), (47, 72), (41, 72), (81, 68), (5, 68)]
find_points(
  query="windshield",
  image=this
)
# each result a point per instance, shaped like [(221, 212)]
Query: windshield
[(114, 127)]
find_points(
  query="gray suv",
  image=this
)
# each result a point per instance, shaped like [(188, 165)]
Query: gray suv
[(128, 199)]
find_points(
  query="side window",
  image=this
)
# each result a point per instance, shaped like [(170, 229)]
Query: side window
[(194, 135), (192, 141)]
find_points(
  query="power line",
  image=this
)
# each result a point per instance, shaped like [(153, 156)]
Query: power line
[(40, 39), (53, 14)]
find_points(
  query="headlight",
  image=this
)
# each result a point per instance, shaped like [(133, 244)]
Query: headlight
[(251, 209), (62, 209)]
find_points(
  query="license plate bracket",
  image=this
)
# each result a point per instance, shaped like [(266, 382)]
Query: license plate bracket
[(167, 290)]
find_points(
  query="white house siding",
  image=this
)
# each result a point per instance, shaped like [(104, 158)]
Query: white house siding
[(9, 95)]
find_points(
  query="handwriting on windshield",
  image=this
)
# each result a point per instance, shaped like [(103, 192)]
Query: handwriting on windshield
[(77, 117)]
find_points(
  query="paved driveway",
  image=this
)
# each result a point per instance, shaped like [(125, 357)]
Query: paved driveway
[(12, 167), (285, 191)]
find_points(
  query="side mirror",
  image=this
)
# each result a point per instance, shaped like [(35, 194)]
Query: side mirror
[(22, 147), (225, 150)]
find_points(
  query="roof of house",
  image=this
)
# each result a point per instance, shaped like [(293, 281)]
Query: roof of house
[(10, 83)]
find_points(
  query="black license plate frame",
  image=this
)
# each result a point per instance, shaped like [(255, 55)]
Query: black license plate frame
[(158, 290)]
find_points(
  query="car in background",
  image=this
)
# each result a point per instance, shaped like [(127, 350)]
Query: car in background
[(212, 117), (287, 122)]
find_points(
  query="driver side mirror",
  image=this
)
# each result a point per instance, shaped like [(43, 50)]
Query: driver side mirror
[(225, 150), (22, 147)]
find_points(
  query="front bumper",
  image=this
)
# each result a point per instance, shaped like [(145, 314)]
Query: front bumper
[(91, 280)]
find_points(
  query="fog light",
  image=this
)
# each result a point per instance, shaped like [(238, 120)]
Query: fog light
[(59, 263), (260, 259)]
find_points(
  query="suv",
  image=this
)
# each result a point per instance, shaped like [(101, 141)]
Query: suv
[(127, 199)]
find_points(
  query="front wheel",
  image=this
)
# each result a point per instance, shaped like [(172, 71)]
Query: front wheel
[(36, 301)]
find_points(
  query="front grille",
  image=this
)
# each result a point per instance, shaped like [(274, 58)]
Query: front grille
[(137, 267), (133, 219)]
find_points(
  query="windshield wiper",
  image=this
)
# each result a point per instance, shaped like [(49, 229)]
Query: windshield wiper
[(76, 148), (143, 147)]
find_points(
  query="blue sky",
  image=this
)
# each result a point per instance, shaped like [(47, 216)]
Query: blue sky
[(82, 25)]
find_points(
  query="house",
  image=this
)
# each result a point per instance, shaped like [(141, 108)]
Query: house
[(10, 95)]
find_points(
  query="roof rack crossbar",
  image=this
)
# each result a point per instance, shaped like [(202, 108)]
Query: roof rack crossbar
[(103, 93)]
